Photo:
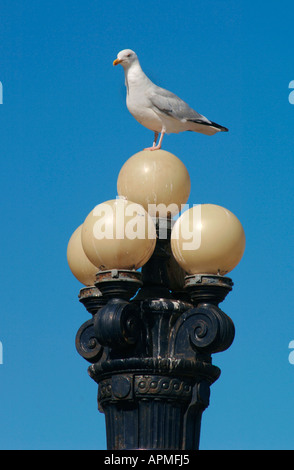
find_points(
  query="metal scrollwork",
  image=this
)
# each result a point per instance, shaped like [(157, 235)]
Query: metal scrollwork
[(117, 324), (204, 329), (87, 343)]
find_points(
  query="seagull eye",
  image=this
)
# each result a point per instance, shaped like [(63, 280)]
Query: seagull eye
[(129, 55)]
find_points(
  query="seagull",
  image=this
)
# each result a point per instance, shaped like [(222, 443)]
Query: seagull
[(158, 109)]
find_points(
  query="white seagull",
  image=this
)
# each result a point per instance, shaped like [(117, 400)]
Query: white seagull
[(156, 108)]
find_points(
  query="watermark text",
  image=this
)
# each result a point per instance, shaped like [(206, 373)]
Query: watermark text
[(127, 220), (291, 355), (291, 95), (152, 459)]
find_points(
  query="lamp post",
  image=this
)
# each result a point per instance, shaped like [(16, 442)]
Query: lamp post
[(153, 287)]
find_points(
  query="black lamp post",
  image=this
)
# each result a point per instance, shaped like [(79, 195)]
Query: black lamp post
[(150, 342)]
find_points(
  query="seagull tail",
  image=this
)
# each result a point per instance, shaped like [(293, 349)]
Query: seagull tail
[(221, 128), (206, 127)]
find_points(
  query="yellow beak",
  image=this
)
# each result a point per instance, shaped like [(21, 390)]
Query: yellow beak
[(117, 61)]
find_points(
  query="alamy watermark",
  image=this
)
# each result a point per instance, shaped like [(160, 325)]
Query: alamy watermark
[(291, 355), (291, 95), (127, 220), (1, 353)]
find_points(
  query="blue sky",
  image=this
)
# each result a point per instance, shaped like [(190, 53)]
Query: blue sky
[(65, 134)]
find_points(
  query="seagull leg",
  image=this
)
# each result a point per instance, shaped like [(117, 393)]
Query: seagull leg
[(156, 147), (154, 141)]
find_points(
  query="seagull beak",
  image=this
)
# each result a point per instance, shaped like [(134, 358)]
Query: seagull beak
[(117, 61)]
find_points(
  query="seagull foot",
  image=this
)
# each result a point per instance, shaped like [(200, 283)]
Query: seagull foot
[(153, 148), (158, 146)]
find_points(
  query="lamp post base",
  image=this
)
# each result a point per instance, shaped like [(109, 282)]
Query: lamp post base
[(152, 412)]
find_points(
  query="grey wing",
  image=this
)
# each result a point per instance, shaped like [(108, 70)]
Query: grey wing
[(170, 104)]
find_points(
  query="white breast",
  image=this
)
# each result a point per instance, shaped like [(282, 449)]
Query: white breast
[(138, 103)]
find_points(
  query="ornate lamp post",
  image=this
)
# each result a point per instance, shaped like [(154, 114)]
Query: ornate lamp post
[(153, 287)]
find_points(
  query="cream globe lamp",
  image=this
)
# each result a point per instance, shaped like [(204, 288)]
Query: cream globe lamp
[(79, 264), (84, 271), (159, 181), (208, 239), (118, 234)]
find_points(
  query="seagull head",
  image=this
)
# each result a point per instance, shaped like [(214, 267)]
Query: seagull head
[(126, 58)]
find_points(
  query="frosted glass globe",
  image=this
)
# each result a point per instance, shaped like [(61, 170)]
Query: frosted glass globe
[(208, 239), (78, 262), (159, 181), (118, 234)]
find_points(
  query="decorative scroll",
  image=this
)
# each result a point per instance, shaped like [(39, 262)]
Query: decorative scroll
[(118, 324), (205, 329), (87, 343)]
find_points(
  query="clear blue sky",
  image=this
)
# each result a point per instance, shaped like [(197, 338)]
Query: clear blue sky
[(66, 132)]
